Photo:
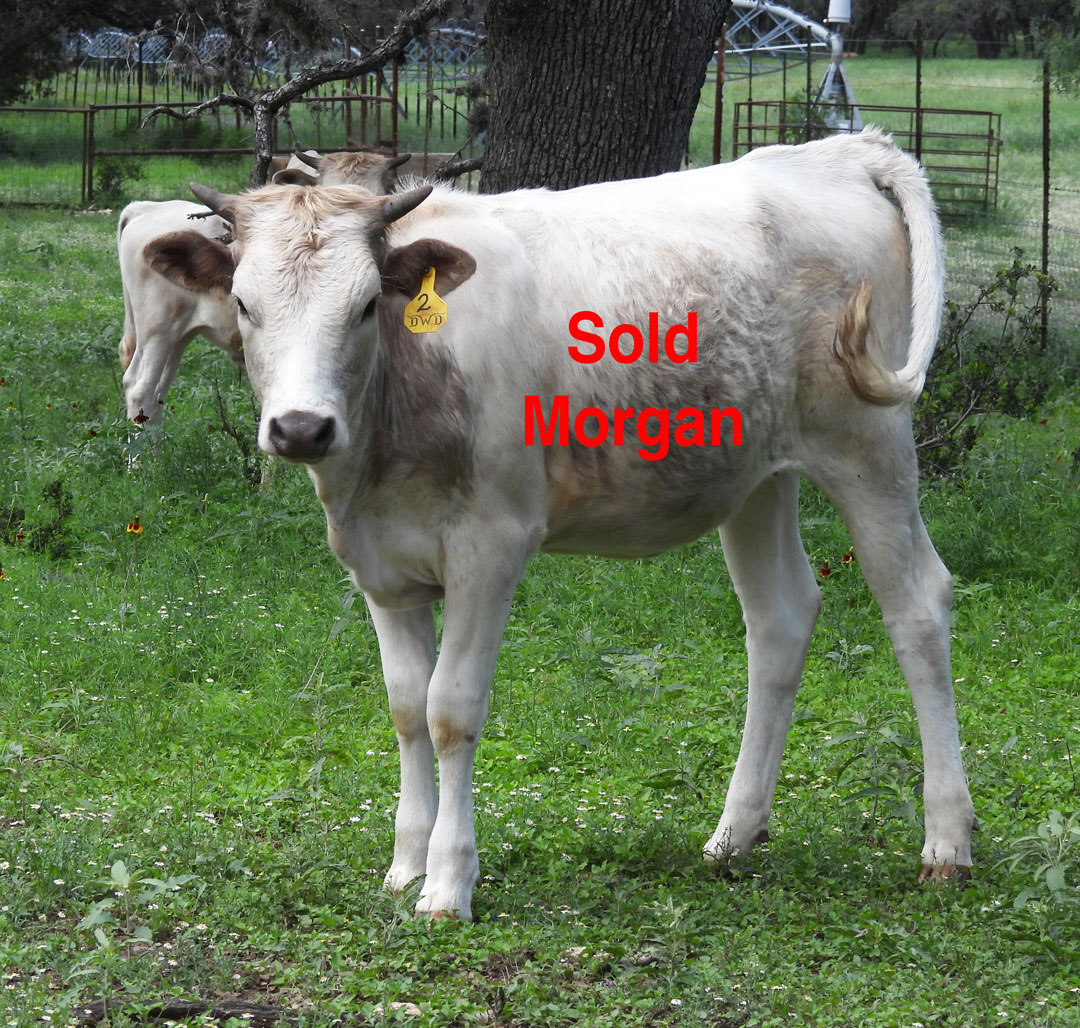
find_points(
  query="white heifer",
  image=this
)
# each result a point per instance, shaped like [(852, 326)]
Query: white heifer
[(162, 316), (816, 318)]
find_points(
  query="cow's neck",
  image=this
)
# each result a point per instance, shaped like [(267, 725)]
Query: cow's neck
[(410, 425)]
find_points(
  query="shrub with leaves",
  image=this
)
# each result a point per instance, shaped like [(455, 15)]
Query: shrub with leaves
[(990, 360), (117, 176)]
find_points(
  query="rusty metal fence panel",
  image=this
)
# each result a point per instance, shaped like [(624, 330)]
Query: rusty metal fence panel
[(959, 149)]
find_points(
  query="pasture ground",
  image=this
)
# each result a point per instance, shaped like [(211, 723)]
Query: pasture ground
[(197, 772)]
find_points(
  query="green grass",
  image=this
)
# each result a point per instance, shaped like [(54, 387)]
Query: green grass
[(197, 771)]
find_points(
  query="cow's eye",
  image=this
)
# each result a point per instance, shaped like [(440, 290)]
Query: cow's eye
[(240, 307), (373, 304)]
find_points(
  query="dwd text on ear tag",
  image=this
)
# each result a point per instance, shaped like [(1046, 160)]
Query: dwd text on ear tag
[(426, 312)]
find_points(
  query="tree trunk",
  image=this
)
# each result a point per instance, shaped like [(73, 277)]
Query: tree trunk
[(990, 34), (593, 90)]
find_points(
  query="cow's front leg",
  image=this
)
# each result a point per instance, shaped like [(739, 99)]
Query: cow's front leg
[(407, 647), (474, 617)]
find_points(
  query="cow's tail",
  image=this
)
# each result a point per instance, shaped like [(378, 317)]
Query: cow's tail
[(892, 169)]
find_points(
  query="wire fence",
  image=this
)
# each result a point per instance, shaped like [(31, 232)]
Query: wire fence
[(1016, 198), (82, 134), (81, 139)]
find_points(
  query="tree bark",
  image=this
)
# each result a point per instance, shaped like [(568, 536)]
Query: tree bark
[(991, 34), (593, 90)]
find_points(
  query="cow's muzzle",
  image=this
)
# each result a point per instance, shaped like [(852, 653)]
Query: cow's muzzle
[(301, 435)]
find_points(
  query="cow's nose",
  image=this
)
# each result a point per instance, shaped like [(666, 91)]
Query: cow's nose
[(301, 435)]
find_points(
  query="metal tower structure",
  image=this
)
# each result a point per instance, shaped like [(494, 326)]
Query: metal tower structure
[(765, 36)]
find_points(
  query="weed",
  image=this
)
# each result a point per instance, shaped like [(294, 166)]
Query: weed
[(876, 762), (1054, 849), (1049, 909), (49, 532), (124, 911)]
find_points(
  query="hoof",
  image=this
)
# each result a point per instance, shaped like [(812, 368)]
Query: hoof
[(398, 882), (443, 915), (723, 854), (944, 873)]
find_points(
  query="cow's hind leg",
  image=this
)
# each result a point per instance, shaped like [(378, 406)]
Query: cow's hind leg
[(873, 483), (780, 602), (151, 370), (407, 646)]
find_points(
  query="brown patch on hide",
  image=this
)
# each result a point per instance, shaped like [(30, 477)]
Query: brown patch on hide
[(191, 261), (126, 350), (425, 421), (370, 170)]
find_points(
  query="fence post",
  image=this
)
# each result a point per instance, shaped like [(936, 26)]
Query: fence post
[(394, 105), (85, 152), (429, 107), (718, 108), (1044, 325), (918, 90), (809, 82), (90, 146)]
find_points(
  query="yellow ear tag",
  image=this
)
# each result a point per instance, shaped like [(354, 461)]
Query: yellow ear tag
[(426, 312)]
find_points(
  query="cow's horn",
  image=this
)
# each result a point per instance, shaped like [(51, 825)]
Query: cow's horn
[(312, 161), (397, 162), (214, 200), (398, 206)]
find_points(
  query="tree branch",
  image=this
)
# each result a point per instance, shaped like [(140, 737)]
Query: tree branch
[(410, 25), (262, 109), (451, 169), (221, 100)]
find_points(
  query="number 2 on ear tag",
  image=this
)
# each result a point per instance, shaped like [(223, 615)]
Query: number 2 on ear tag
[(426, 312)]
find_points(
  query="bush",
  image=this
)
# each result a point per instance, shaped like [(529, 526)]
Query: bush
[(112, 172), (991, 360)]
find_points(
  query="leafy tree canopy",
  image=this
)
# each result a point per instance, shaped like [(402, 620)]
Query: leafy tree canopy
[(1059, 41)]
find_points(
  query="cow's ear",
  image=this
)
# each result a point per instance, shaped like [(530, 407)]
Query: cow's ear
[(293, 177), (404, 267), (191, 261)]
